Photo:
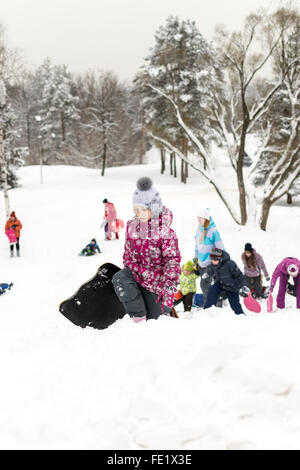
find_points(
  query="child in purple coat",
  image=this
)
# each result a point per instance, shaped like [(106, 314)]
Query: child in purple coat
[(147, 284), (288, 267)]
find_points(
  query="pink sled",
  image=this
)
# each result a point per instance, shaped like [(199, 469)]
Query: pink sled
[(252, 304), (11, 235), (270, 303)]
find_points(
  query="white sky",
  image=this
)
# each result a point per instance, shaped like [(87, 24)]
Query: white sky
[(109, 34)]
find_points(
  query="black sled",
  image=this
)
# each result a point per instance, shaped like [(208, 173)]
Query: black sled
[(291, 289), (95, 303)]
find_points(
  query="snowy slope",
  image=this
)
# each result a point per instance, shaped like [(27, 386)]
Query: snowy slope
[(210, 380)]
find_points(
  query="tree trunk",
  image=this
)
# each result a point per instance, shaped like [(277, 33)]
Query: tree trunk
[(162, 160), (183, 175), (240, 176), (28, 130), (103, 159), (3, 169), (185, 153), (265, 211), (289, 198), (41, 161), (171, 163), (142, 138), (63, 130), (175, 169)]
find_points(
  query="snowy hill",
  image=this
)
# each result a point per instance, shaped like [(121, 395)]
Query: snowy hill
[(210, 380)]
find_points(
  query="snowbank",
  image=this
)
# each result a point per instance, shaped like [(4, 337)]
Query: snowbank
[(210, 380)]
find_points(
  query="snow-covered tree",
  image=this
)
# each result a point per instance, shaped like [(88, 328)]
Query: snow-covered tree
[(279, 166), (109, 121), (14, 155), (183, 67), (235, 110), (58, 103), (9, 69)]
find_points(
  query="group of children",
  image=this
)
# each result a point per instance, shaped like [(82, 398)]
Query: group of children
[(109, 219), (230, 281), (235, 281), (147, 285)]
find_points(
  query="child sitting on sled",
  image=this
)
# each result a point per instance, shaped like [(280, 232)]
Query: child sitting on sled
[(4, 287), (228, 278), (90, 249), (187, 285), (148, 281)]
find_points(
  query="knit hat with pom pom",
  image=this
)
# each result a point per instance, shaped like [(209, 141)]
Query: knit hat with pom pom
[(147, 195)]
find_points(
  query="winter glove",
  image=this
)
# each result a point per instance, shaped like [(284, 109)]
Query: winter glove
[(14, 226), (205, 276), (244, 291), (267, 278), (137, 319), (167, 295)]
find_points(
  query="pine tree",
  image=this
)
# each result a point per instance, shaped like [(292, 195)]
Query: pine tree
[(14, 156), (181, 65), (58, 103)]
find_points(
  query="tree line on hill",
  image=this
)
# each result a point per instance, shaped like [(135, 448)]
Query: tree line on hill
[(189, 98)]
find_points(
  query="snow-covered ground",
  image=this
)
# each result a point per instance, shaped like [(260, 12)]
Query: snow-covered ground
[(210, 380)]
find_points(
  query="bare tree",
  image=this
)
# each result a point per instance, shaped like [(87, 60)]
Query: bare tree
[(283, 141), (238, 111)]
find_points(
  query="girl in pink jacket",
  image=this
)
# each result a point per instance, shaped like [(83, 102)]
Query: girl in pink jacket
[(147, 284)]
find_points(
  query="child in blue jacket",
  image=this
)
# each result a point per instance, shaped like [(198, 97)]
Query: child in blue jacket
[(207, 238), (4, 287), (90, 249)]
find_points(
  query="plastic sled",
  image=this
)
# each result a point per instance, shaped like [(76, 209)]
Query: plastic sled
[(95, 303), (11, 235), (117, 225), (270, 303), (252, 304)]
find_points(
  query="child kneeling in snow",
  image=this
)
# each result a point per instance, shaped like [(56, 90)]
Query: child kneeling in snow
[(187, 285), (147, 284), (288, 267), (4, 287), (90, 249), (229, 278)]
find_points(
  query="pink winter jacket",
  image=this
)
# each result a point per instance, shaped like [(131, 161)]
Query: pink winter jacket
[(152, 255), (110, 211)]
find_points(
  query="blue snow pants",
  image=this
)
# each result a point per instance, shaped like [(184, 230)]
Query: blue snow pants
[(233, 297)]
